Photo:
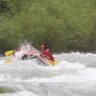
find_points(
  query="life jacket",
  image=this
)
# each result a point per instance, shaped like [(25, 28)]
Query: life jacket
[(47, 54)]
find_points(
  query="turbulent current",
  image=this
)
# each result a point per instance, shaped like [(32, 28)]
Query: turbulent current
[(74, 75)]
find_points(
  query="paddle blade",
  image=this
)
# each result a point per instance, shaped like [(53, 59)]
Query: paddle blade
[(51, 62), (57, 61), (7, 53), (7, 61)]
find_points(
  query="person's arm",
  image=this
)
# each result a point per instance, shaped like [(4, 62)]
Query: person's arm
[(52, 58)]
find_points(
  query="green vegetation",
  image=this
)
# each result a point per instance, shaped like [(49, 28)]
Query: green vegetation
[(62, 25)]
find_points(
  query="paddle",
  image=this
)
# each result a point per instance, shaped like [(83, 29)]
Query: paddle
[(7, 53), (54, 63), (57, 61), (51, 62), (7, 61)]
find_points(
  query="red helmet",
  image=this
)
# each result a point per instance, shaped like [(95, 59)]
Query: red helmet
[(42, 46)]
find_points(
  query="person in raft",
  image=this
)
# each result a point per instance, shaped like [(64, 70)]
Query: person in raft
[(46, 53)]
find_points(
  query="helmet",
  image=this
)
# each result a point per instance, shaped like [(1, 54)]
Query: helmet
[(42, 46)]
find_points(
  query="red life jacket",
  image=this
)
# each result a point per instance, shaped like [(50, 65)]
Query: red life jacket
[(47, 54)]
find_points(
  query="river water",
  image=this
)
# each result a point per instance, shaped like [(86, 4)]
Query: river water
[(74, 75)]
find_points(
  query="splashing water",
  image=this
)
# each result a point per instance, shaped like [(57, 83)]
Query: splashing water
[(73, 76)]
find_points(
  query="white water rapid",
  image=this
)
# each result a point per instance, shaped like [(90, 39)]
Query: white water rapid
[(74, 75)]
